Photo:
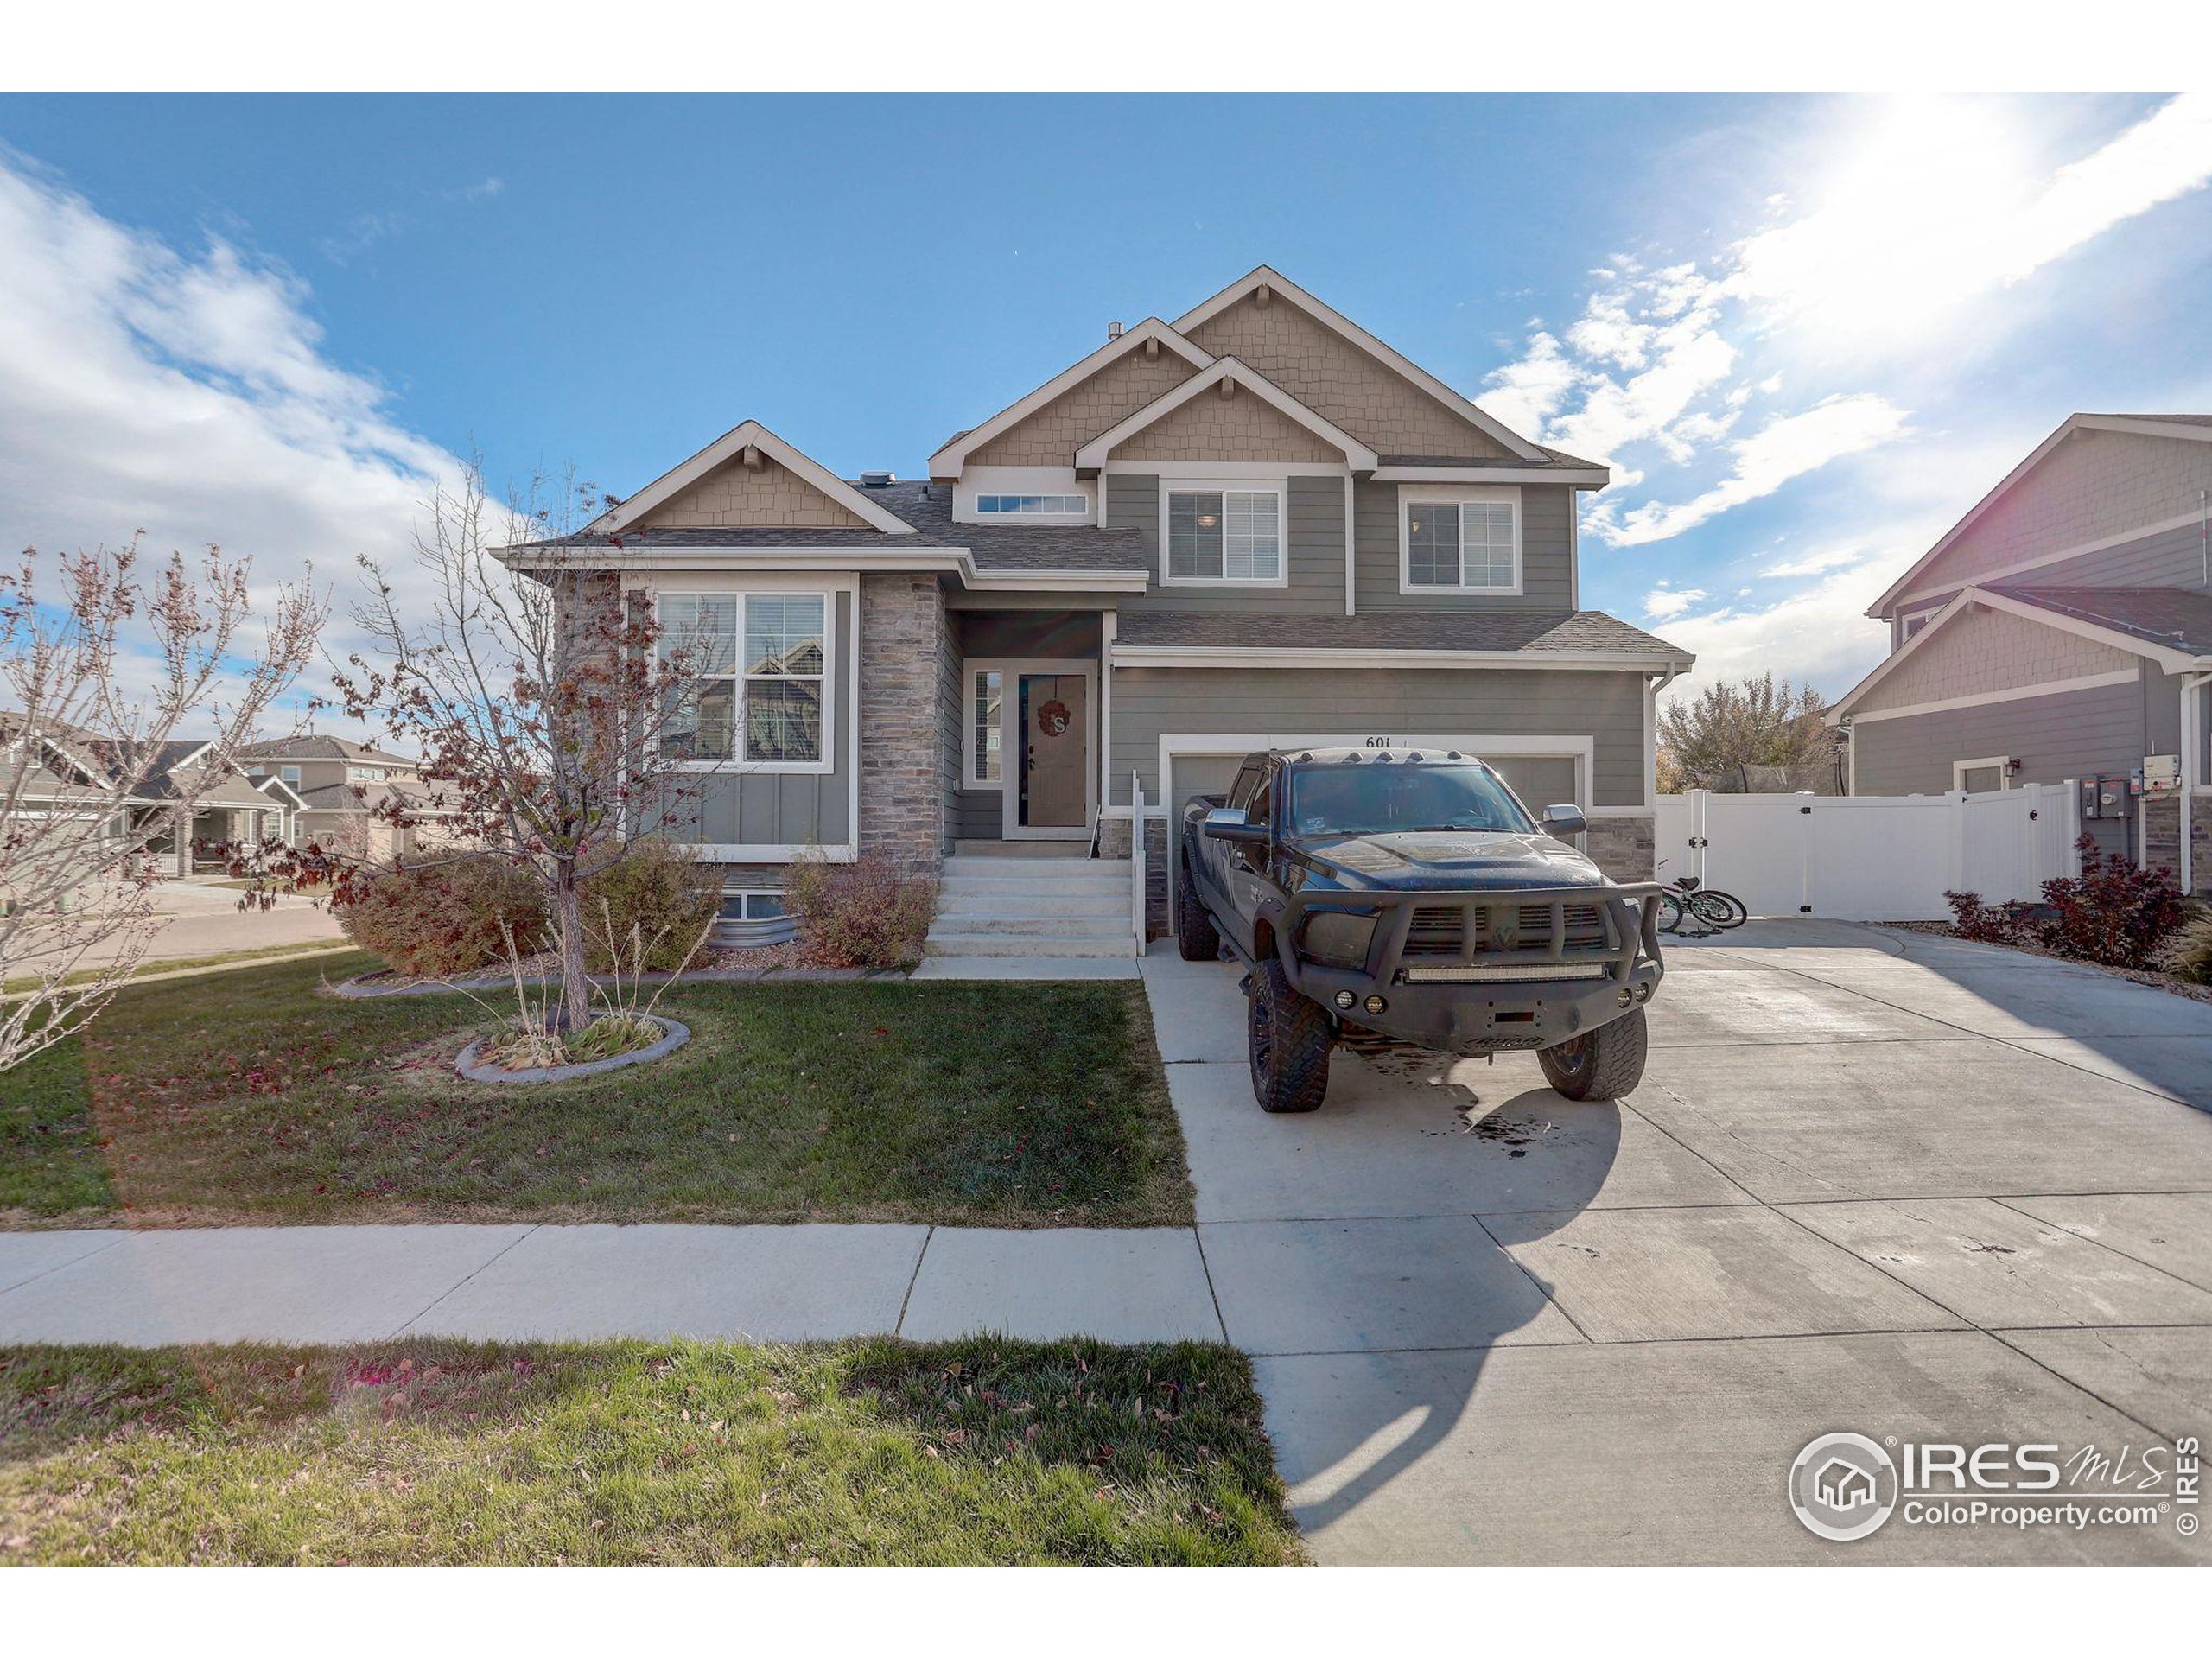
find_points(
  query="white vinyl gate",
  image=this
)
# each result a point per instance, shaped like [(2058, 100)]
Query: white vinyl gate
[(1871, 858)]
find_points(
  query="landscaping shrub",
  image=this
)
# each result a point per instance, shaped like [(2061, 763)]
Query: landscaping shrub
[(865, 914), (2114, 913), (2189, 952), (667, 896), (439, 920), (1990, 924)]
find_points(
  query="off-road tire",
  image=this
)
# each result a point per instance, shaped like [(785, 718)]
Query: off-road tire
[(1287, 1038), (1196, 937), (1601, 1065)]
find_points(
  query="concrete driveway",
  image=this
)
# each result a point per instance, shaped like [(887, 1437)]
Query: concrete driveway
[(1871, 1181)]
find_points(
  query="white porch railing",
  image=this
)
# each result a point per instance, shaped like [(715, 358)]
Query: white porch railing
[(1136, 859)]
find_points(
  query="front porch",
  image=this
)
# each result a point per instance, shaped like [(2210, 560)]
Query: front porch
[(1032, 729)]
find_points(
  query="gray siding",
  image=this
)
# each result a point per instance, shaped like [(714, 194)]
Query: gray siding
[(2065, 735), (1546, 554), (2174, 558), (1608, 708), (1315, 553), (794, 809)]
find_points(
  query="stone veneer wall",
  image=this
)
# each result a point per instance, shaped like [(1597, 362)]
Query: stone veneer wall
[(1624, 849), (2162, 834), (903, 796)]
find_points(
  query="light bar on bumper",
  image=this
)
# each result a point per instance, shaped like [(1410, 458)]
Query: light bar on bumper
[(1477, 975)]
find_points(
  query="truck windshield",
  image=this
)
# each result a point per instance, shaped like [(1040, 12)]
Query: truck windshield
[(1383, 798)]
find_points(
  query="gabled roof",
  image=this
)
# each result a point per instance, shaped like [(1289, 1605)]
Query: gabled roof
[(954, 451), (2171, 626), (2196, 427), (1356, 454), (273, 783), (729, 447), (317, 746), (1267, 276)]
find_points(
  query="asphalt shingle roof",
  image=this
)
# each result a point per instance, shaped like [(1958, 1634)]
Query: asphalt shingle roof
[(1529, 631), (928, 508), (2178, 617)]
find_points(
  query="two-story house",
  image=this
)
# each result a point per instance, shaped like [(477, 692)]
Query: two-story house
[(1257, 524), (328, 790), (2062, 629)]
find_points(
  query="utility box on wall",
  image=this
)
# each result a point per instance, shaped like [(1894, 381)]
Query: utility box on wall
[(2108, 796)]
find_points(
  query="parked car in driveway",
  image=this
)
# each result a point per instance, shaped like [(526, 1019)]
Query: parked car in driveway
[(1410, 892)]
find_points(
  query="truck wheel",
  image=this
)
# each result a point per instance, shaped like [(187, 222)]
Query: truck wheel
[(1288, 1039), (1600, 1064), (1195, 936)]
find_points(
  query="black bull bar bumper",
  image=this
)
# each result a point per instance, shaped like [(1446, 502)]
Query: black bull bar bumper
[(1474, 970)]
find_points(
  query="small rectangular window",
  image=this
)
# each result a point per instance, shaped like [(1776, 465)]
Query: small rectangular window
[(1033, 505), (988, 691)]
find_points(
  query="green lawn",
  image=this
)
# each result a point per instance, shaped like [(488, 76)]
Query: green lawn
[(183, 964), (873, 1451), (251, 1097)]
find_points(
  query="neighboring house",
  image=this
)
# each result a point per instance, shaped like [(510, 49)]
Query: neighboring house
[(1257, 524), (337, 788), (175, 805), (2062, 629)]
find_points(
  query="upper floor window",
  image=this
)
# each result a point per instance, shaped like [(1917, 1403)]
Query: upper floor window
[(762, 704), (290, 775), (1461, 541), (1914, 624), (373, 774), (1055, 506), (1224, 535)]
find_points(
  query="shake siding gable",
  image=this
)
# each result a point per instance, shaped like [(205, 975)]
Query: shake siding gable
[(1239, 429), (731, 498), (1336, 380), (2094, 485), (1981, 650), (1051, 436)]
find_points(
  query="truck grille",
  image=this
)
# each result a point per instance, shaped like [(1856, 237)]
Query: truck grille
[(1439, 930)]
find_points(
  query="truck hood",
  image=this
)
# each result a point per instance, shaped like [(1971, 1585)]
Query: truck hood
[(1446, 859)]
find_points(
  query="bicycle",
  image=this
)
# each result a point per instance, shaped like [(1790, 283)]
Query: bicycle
[(1686, 899)]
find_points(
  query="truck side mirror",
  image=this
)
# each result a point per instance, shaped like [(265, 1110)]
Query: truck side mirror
[(1227, 823), (1564, 818)]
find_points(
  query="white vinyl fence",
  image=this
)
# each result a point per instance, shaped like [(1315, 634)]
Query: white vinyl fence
[(1871, 858)]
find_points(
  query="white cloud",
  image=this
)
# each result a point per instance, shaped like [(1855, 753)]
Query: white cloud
[(1819, 635), (1934, 203), (1663, 601), (188, 395), (1783, 449)]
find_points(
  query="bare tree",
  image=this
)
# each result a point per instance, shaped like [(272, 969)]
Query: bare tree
[(98, 675), (552, 711), (1724, 737)]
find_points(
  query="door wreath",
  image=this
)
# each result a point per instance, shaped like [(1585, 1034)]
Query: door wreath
[(1052, 718)]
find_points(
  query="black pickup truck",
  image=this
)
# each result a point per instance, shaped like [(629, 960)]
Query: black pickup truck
[(1410, 892)]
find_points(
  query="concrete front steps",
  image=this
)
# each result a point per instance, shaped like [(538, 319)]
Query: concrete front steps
[(1030, 905)]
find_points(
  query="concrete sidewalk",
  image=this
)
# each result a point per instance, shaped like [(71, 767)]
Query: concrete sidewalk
[(758, 1283)]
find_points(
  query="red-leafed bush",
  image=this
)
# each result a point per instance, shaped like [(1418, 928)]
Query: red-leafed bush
[(865, 914), (2113, 912), (1990, 924), (440, 920)]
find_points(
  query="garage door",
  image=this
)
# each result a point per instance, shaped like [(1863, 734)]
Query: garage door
[(1540, 780)]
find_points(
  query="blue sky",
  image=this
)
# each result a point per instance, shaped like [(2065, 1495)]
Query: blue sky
[(1805, 333)]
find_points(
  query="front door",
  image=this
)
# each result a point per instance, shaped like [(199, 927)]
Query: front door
[(1052, 786)]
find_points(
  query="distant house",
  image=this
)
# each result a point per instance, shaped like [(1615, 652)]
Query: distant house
[(341, 789), (56, 770), (2062, 629)]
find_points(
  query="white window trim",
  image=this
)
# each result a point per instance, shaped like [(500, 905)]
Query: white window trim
[(739, 763), (969, 748), (753, 890), (1409, 495), (1925, 614), (2002, 762), (1080, 513), (1010, 671), (1279, 483)]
